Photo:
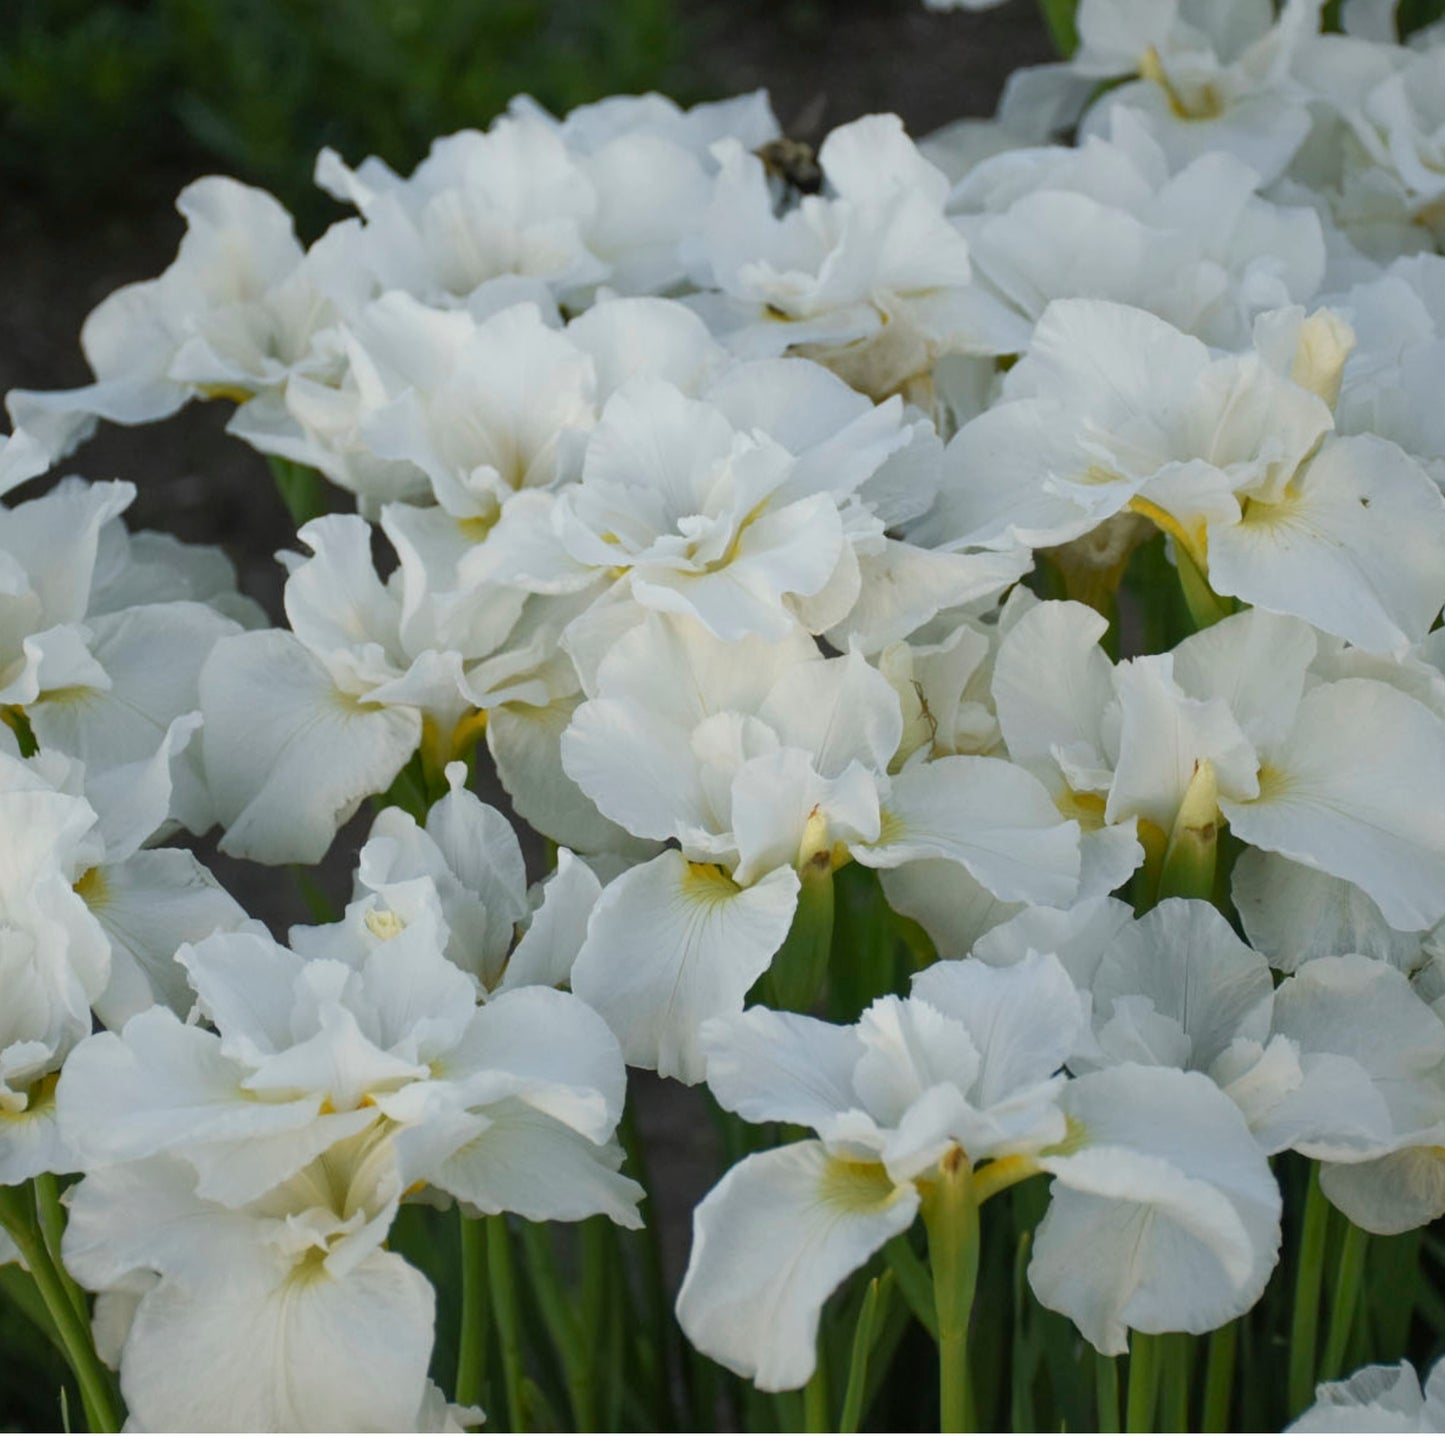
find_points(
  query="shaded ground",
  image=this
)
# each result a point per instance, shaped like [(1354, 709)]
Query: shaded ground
[(850, 56)]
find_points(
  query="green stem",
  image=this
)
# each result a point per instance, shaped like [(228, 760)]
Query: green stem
[(1143, 1382), (815, 1400), (503, 1289), (1309, 1274), (19, 1217), (1021, 1381), (1395, 1280), (1219, 1378), (617, 1328), (950, 1213), (472, 1342), (1106, 1391), (853, 1395), (1176, 1353), (596, 1240), (1348, 1278), (659, 1305), (786, 1413), (573, 1348), (51, 1214), (703, 1378)]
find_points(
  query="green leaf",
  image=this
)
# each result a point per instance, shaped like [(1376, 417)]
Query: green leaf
[(1059, 17)]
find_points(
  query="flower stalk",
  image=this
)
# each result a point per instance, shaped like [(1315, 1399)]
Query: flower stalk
[(1106, 1390), (20, 1218), (950, 1212), (1309, 1276), (472, 1344), (1219, 1378), (502, 1282), (1143, 1382), (815, 1401), (799, 971)]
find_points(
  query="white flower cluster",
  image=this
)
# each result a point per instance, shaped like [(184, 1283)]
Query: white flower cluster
[(708, 484)]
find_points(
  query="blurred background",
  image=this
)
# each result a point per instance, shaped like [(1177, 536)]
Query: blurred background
[(109, 107)]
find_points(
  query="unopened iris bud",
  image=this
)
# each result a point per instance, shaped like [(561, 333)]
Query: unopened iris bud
[(1321, 350), (1193, 841)]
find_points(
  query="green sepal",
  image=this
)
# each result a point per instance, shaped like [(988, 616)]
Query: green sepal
[(799, 971)]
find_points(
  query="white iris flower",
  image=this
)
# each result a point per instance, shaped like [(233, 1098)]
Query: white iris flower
[(1164, 1213)]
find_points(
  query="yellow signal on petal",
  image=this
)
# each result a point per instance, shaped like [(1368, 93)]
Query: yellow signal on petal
[(239, 394), (93, 888)]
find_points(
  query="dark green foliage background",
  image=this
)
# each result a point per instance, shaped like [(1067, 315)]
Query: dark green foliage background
[(94, 91)]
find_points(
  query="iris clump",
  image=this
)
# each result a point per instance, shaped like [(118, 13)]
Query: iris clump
[(959, 620)]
